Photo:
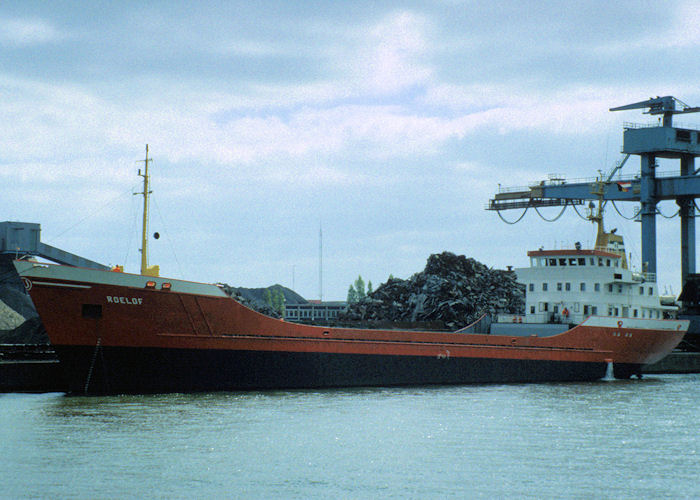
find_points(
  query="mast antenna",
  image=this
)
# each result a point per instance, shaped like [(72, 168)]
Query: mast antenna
[(146, 270), (320, 262)]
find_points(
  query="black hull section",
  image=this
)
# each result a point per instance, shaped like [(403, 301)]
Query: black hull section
[(624, 371), (119, 370)]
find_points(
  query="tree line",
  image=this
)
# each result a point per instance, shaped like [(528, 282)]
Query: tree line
[(357, 291)]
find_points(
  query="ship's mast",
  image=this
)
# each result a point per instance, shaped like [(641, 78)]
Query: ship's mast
[(596, 216), (607, 242), (145, 268)]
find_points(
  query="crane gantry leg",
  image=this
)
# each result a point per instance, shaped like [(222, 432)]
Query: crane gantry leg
[(648, 213), (687, 213)]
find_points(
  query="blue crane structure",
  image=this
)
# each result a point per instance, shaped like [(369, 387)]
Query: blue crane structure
[(650, 142)]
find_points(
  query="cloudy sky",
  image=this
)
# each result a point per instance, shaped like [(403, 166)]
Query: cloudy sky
[(389, 124)]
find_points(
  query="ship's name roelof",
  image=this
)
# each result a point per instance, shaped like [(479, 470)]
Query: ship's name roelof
[(134, 301)]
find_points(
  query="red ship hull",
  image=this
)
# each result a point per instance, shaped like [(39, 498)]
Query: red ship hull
[(118, 333)]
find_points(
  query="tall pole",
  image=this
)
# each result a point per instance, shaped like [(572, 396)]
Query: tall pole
[(144, 232), (320, 262)]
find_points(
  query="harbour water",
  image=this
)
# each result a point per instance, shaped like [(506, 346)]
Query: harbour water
[(610, 439)]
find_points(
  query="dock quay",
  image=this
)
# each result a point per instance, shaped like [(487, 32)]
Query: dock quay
[(30, 368), (676, 362)]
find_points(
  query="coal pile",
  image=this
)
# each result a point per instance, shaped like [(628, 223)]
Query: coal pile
[(452, 289), (19, 321), (250, 302), (257, 298)]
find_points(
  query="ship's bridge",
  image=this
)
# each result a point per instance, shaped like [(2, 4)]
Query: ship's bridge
[(566, 286), (573, 258)]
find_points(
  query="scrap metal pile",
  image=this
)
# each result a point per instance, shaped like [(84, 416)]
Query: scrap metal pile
[(452, 288)]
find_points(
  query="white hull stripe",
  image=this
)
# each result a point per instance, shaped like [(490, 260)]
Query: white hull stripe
[(639, 323), (65, 285)]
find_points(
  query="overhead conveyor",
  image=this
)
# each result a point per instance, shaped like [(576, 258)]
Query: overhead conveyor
[(24, 238)]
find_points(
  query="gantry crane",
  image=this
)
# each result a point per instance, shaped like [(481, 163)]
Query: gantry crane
[(660, 140)]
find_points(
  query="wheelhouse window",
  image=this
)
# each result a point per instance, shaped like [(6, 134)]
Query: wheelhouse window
[(581, 261), (562, 262)]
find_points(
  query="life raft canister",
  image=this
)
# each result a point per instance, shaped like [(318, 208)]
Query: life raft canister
[(565, 312)]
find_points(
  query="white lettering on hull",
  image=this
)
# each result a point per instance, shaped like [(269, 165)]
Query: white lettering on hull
[(134, 301)]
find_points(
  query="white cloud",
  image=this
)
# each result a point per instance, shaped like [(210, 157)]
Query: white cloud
[(685, 32), (682, 32), (388, 56), (24, 32), (249, 48), (568, 110)]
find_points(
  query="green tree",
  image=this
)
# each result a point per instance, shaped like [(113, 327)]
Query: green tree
[(278, 301), (275, 299), (352, 295), (360, 288), (369, 288)]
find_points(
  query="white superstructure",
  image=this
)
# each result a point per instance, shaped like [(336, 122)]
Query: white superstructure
[(567, 286)]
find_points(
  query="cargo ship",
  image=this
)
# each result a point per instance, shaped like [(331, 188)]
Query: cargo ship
[(116, 332)]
